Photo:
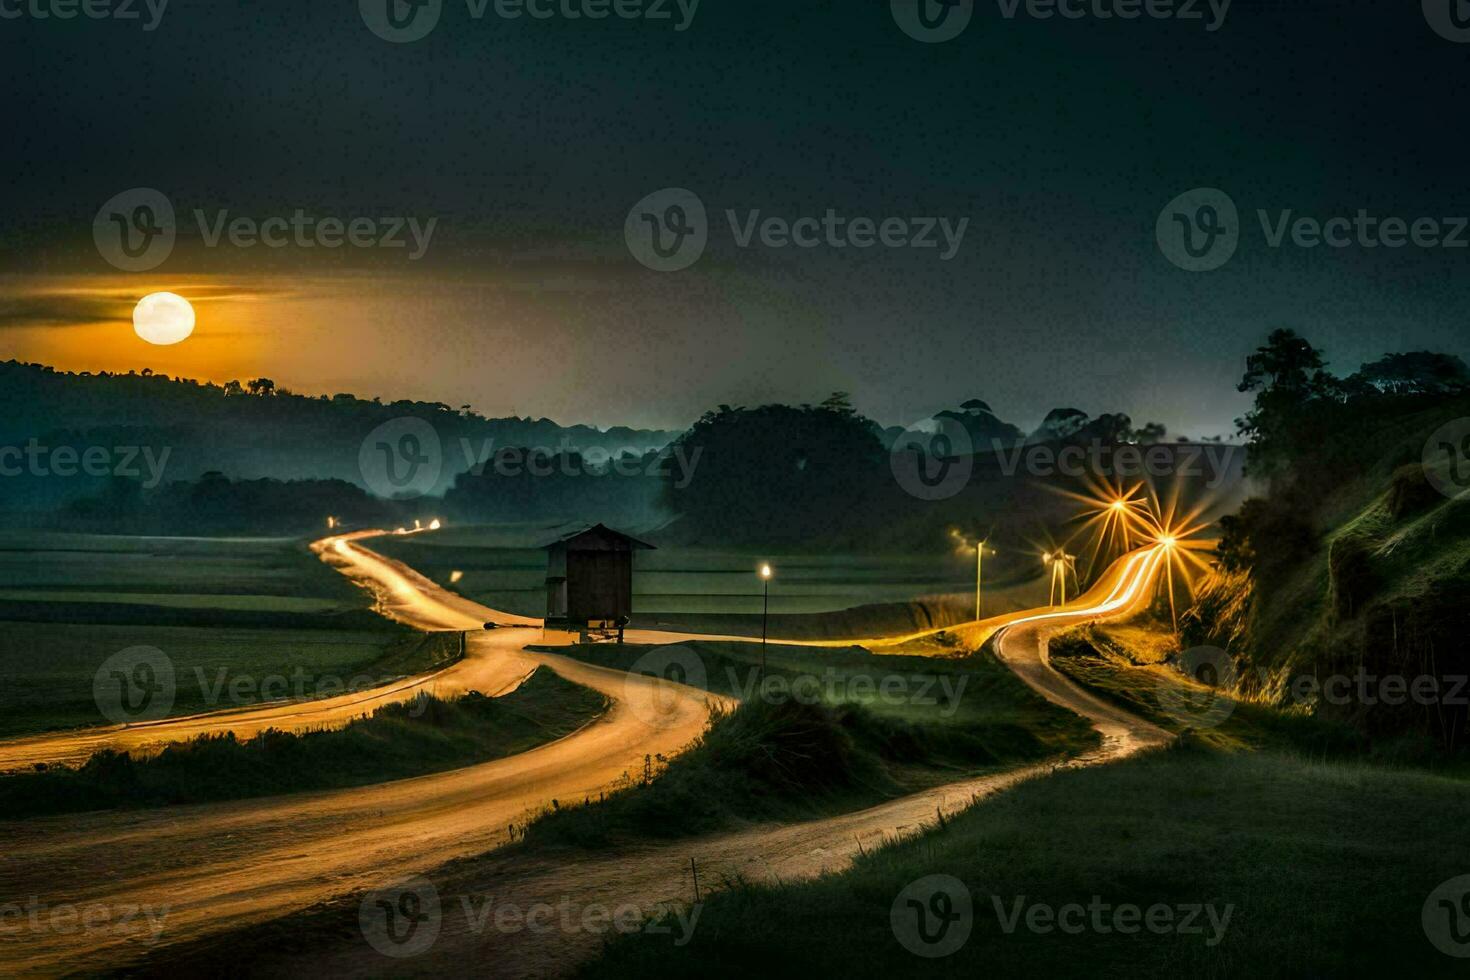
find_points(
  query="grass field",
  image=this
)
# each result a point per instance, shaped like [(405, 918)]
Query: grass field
[(826, 732), (413, 738), (264, 612), (1324, 868), (503, 567)]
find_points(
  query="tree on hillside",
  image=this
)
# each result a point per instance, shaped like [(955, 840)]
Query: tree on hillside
[(776, 472), (1150, 432), (1294, 397), (261, 387)]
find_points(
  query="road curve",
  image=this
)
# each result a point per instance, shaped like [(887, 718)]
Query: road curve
[(226, 865), (218, 867), (658, 875)]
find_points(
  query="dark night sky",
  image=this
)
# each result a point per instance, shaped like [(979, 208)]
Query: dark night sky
[(1059, 140)]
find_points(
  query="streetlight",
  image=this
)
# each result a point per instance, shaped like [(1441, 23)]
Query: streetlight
[(1060, 563), (765, 610), (979, 568)]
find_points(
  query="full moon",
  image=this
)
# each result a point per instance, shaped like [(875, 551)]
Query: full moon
[(163, 318)]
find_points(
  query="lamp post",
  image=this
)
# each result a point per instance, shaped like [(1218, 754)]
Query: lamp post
[(765, 610), (979, 569), (1059, 563)]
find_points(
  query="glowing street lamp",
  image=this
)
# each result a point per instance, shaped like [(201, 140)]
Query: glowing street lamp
[(979, 569), (765, 610), (1060, 563)]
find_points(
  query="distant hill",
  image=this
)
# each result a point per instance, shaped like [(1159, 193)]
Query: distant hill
[(244, 431)]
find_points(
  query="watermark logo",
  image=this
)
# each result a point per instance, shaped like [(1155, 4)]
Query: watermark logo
[(400, 21), (1199, 230), (1450, 19), (135, 231), (133, 685), (34, 459), (121, 10), (933, 459), (402, 920), (1446, 917), (933, 916), (1206, 705), (668, 230), (144, 923), (401, 459), (658, 704), (932, 21), (1446, 458)]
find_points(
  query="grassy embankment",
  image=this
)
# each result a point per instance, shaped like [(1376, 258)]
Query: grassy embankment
[(412, 738), (1326, 867), (223, 610), (849, 745)]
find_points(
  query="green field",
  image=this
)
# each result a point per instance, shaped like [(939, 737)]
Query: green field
[(1325, 868), (504, 567), (263, 616), (397, 741), (827, 731)]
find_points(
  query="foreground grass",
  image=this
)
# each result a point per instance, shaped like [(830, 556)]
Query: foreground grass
[(843, 744), (242, 619), (1327, 867), (412, 738)]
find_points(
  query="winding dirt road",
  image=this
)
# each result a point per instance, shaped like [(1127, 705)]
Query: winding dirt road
[(216, 867)]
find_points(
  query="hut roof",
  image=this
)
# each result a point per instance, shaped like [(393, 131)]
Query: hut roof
[(598, 537)]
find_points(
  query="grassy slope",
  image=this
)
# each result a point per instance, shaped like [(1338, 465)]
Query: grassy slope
[(774, 758), (253, 608), (1128, 665), (1327, 865), (395, 742)]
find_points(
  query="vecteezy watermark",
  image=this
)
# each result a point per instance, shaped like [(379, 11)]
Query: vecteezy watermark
[(86, 919), (1205, 703), (1200, 230), (34, 459), (1363, 687), (1446, 917), (594, 461), (669, 229), (935, 459), (1446, 458), (136, 230), (1450, 19), (404, 458), (1125, 918), (404, 21), (651, 689), (401, 458), (1209, 462), (935, 21), (122, 10), (404, 920), (133, 685), (658, 704), (934, 916), (141, 683), (941, 691)]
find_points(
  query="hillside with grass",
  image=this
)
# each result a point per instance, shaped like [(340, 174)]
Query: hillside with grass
[(1353, 570)]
